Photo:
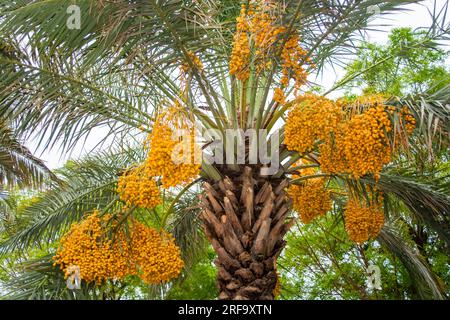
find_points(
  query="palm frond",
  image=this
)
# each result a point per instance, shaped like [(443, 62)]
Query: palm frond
[(18, 166), (86, 185), (38, 279), (425, 282), (432, 112), (335, 27), (185, 226), (428, 202)]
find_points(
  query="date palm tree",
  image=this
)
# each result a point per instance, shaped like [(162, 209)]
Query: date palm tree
[(110, 77)]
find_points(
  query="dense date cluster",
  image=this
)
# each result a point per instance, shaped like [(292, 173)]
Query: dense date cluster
[(155, 253), (354, 138), (352, 141), (145, 252), (87, 247), (171, 159), (361, 145), (174, 166), (312, 119), (310, 199), (363, 222), (138, 187)]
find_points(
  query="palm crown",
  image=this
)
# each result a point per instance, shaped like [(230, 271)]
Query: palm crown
[(162, 66)]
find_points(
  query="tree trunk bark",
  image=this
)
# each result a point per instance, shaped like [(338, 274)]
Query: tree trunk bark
[(245, 219)]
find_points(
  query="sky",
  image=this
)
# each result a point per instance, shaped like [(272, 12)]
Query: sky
[(416, 16)]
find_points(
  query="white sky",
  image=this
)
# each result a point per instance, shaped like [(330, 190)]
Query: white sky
[(416, 16)]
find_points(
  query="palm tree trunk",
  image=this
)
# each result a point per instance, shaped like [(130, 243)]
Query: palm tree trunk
[(244, 218)]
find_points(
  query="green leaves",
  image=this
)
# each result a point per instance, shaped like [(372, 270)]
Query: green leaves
[(412, 62), (432, 111), (18, 167), (85, 186), (428, 202), (426, 283), (122, 64), (65, 108)]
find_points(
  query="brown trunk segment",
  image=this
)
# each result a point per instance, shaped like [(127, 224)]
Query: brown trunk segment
[(244, 218)]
